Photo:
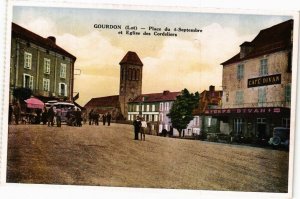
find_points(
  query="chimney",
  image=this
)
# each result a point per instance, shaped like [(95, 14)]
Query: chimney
[(51, 38), (246, 48), (166, 92), (211, 88)]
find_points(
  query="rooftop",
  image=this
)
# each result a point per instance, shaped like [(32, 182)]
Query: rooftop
[(108, 101), (131, 58), (48, 43), (157, 97), (269, 40)]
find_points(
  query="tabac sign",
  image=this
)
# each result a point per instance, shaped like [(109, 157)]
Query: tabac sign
[(264, 81)]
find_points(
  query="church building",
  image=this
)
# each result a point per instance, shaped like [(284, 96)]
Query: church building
[(131, 70)]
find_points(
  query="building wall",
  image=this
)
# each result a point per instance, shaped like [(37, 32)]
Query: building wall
[(18, 49), (275, 94)]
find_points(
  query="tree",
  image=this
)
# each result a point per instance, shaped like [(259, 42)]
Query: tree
[(22, 93), (181, 111)]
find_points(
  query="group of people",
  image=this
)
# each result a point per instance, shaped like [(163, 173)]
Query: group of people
[(94, 117), (140, 126), (14, 113)]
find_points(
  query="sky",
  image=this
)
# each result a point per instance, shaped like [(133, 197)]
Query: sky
[(190, 60)]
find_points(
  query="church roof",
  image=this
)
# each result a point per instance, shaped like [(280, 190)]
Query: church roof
[(131, 58), (108, 101), (269, 40), (47, 43)]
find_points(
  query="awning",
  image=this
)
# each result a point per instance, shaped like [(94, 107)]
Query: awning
[(34, 103)]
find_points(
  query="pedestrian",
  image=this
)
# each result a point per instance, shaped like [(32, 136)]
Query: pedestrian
[(91, 118), (143, 129), (77, 115), (51, 116), (137, 127), (108, 118), (58, 117), (96, 118), (17, 112), (171, 131), (104, 119), (164, 132), (44, 116), (10, 113)]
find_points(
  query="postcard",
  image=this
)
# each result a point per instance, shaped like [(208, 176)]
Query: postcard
[(158, 98)]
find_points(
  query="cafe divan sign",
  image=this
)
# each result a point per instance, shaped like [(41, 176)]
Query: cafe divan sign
[(264, 81)]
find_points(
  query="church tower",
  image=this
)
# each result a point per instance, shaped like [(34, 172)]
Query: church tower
[(131, 73)]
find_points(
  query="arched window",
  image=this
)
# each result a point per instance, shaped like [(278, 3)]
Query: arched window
[(134, 77), (137, 74), (129, 74)]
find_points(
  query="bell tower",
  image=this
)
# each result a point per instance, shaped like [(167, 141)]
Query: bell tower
[(131, 75)]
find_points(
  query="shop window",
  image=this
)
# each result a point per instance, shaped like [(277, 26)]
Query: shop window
[(238, 125), (261, 120), (286, 122)]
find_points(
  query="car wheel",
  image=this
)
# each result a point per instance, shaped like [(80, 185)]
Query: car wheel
[(276, 141)]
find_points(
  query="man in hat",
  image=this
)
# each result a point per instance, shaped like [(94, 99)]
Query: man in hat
[(137, 127)]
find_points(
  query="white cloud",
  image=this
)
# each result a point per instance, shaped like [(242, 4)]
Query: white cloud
[(42, 26), (95, 53), (192, 64)]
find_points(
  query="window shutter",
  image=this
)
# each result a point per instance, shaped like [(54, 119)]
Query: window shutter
[(66, 90), (59, 89), (24, 81), (31, 82)]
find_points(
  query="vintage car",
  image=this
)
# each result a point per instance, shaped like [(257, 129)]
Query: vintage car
[(64, 107), (281, 137)]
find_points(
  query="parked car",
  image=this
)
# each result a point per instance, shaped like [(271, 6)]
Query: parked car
[(281, 137)]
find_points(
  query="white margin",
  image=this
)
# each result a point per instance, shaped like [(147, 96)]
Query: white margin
[(86, 191)]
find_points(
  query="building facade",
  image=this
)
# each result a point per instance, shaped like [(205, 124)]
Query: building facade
[(209, 99), (257, 85), (153, 108), (41, 65)]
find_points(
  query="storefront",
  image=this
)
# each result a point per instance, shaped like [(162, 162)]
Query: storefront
[(251, 122)]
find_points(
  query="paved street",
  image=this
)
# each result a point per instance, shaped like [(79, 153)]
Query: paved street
[(108, 156)]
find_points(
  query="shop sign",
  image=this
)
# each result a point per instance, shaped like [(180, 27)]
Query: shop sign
[(264, 81), (243, 111)]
